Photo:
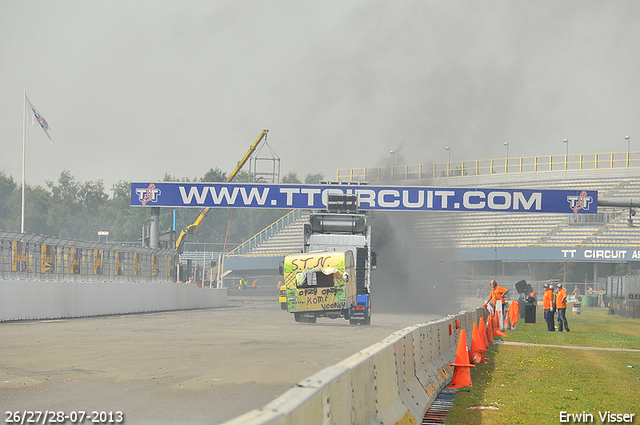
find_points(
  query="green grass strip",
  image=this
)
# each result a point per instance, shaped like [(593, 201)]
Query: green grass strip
[(534, 384)]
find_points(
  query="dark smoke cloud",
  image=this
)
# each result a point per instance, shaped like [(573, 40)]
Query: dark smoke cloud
[(412, 277)]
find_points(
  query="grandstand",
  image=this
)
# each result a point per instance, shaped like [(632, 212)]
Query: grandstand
[(610, 227), (511, 237), (281, 238)]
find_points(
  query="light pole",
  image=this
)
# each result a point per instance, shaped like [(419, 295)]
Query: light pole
[(506, 159), (628, 149), (565, 141), (628, 144), (393, 162), (566, 154), (449, 162)]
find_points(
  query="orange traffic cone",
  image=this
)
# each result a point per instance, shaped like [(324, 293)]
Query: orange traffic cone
[(506, 326), (498, 332), (461, 372), (490, 329), (483, 334), (476, 354), (496, 326)]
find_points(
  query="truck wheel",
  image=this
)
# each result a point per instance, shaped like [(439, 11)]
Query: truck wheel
[(367, 321), (353, 322), (298, 317), (283, 306)]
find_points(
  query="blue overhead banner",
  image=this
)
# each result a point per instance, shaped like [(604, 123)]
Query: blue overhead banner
[(389, 198)]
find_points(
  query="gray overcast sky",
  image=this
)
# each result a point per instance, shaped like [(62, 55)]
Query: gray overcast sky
[(136, 89)]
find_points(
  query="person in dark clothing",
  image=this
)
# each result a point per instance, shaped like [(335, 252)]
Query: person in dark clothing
[(561, 306), (548, 305)]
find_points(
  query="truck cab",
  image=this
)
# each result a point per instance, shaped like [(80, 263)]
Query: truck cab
[(330, 238), (320, 284)]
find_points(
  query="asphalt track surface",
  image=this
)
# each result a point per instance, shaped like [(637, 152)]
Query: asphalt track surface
[(186, 367)]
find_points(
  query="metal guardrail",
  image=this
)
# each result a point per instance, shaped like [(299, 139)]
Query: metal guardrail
[(200, 257), (37, 257), (595, 161), (265, 234)]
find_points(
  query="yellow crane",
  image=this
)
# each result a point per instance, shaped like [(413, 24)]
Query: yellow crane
[(193, 228)]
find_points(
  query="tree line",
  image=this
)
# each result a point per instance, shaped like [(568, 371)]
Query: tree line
[(73, 209)]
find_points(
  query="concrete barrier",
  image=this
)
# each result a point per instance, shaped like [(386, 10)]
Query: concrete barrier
[(20, 300), (391, 382)]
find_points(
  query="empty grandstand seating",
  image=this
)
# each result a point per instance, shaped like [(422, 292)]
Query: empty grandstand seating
[(281, 238), (618, 234), (478, 229)]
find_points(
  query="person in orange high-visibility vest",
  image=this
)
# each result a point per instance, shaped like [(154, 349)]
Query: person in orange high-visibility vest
[(561, 306), (497, 294), (549, 307)]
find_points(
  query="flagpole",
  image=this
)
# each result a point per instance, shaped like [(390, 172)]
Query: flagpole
[(24, 154)]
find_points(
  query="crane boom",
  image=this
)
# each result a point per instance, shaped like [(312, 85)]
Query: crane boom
[(193, 228)]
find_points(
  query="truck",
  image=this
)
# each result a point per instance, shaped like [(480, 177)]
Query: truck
[(331, 276)]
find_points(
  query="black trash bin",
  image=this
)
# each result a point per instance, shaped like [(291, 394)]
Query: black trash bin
[(521, 308), (530, 313)]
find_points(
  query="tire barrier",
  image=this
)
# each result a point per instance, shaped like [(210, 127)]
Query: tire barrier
[(391, 382)]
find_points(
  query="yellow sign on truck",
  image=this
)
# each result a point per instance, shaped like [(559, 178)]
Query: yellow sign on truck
[(320, 284)]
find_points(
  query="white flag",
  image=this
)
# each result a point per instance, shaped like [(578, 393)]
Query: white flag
[(36, 117)]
